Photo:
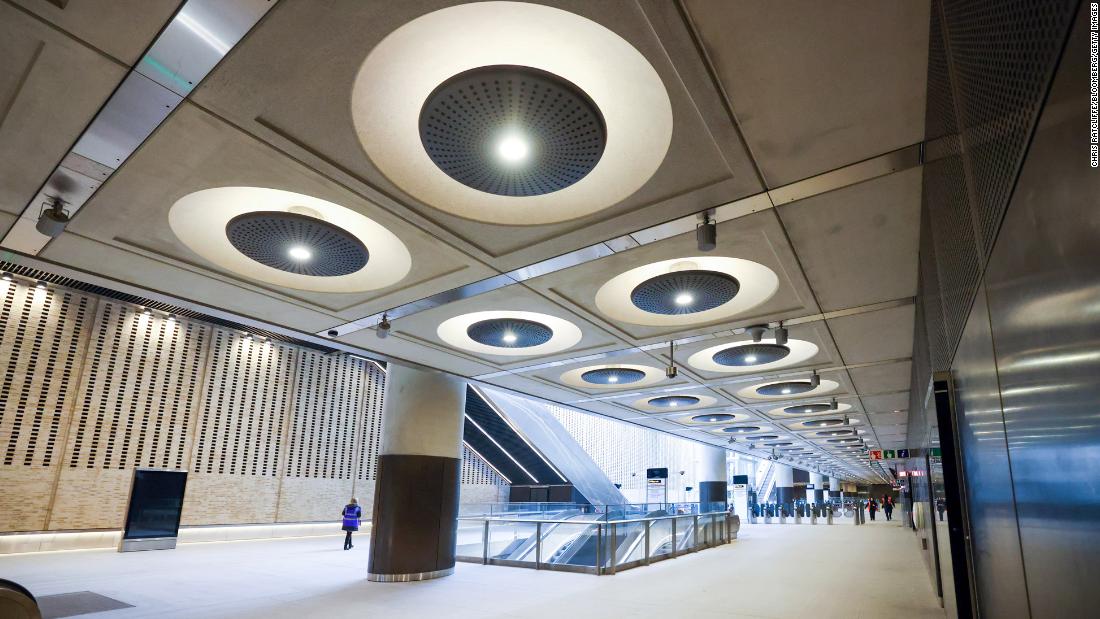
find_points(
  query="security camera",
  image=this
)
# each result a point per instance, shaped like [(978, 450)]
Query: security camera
[(383, 329), (333, 333), (53, 218), (757, 332)]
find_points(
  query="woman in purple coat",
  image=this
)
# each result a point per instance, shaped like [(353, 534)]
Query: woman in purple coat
[(351, 514)]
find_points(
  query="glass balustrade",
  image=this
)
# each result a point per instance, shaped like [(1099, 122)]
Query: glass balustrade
[(587, 538)]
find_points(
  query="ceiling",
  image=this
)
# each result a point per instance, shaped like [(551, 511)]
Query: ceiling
[(798, 122)]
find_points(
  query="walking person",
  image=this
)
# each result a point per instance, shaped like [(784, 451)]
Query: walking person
[(940, 507), (872, 507), (888, 508), (352, 514)]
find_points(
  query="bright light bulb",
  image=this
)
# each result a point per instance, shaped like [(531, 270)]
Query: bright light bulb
[(612, 379), (509, 338), (786, 390), (513, 148), (674, 403), (750, 359), (299, 253), (684, 299)]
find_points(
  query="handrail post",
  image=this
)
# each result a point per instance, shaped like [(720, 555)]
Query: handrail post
[(673, 537), (485, 544), (647, 527), (695, 533), (612, 551), (538, 544), (599, 546)]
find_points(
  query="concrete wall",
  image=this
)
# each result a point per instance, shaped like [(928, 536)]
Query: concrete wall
[(91, 388)]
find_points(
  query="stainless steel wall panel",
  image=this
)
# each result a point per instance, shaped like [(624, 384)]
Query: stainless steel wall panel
[(995, 540), (1044, 300)]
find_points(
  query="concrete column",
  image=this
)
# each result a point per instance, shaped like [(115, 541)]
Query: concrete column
[(816, 496), (419, 466), (711, 477), (834, 488), (784, 486)]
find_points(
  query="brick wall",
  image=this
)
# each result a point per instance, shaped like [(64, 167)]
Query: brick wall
[(91, 388)]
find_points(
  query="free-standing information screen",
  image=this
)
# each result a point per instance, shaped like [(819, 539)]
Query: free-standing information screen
[(156, 502)]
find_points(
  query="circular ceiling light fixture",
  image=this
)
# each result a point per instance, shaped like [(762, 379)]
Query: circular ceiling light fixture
[(512, 131), (686, 291), (763, 437), (289, 239), (612, 376), (835, 433), (297, 243), (562, 138), (822, 423), (741, 429), (509, 333), (673, 403), (843, 440), (782, 390), (801, 410), (751, 354), (741, 357), (714, 418)]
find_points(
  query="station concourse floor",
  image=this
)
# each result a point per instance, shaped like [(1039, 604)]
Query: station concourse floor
[(774, 571)]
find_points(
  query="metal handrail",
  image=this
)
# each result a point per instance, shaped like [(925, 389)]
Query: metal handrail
[(605, 522)]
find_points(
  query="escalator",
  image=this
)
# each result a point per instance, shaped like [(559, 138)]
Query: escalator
[(488, 433)]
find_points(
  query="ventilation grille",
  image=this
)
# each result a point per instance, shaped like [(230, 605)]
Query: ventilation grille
[(327, 412), (370, 439), (268, 237), (167, 308), (990, 65), (140, 384), (476, 471), (245, 406), (42, 339), (557, 129)]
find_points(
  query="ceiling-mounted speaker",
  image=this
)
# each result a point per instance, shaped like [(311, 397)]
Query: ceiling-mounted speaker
[(757, 332), (815, 380), (833, 404), (781, 335), (706, 234), (383, 329)]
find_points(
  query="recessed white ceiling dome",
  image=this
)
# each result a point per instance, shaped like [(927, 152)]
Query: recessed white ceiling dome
[(731, 285), (289, 239), (406, 68)]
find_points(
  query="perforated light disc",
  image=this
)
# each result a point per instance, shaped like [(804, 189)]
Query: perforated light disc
[(789, 388), (763, 437), (509, 333), (742, 429), (807, 409), (273, 237), (835, 432), (684, 292), (713, 418), (751, 354), (512, 131), (823, 423), (673, 401), (612, 376)]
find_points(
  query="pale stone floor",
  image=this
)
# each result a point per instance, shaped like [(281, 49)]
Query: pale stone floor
[(774, 570)]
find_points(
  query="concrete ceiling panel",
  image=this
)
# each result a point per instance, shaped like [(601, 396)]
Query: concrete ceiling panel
[(858, 245), (757, 237), (882, 378), (193, 150), (885, 403), (882, 335), (50, 88), (303, 108), (121, 29), (819, 85)]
